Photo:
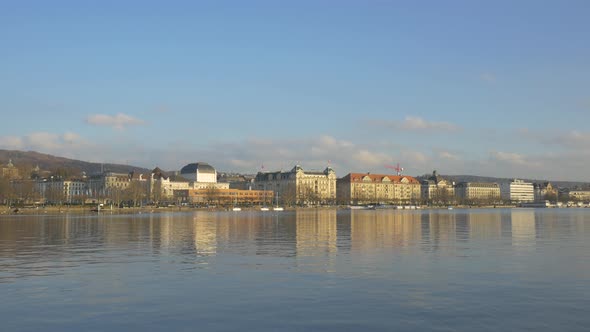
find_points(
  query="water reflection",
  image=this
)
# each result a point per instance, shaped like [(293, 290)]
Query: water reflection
[(312, 269), (523, 228), (28, 244)]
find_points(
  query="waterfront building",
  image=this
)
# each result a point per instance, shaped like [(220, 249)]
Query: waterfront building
[(478, 192), (99, 184), (214, 196), (544, 191), (162, 187), (9, 171), (436, 189), (517, 191), (61, 191), (579, 195), (365, 188), (299, 186), (202, 176)]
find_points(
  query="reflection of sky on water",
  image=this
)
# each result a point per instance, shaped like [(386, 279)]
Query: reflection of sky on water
[(377, 268)]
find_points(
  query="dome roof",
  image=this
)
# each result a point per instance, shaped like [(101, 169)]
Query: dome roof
[(200, 166)]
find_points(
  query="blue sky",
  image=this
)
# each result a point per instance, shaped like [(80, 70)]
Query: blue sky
[(496, 88)]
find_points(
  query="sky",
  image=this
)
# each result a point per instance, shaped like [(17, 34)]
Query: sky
[(493, 88)]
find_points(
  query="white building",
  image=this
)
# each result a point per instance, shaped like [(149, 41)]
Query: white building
[(62, 191), (435, 189), (299, 186), (517, 191), (579, 195), (202, 176), (482, 192)]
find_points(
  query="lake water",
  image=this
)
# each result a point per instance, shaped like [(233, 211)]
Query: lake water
[(308, 270)]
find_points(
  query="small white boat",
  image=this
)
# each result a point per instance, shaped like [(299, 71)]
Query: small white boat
[(277, 208), (236, 209), (264, 209), (449, 208)]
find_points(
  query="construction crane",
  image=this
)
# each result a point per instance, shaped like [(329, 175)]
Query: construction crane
[(396, 168)]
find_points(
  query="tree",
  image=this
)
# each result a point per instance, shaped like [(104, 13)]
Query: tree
[(135, 192), (6, 190), (288, 195), (550, 196), (54, 194), (24, 190), (308, 195), (156, 194), (211, 195)]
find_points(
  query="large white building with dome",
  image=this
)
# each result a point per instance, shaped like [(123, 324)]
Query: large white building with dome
[(201, 175)]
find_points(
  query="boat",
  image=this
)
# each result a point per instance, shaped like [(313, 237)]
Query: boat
[(277, 207), (449, 208), (236, 209), (264, 209)]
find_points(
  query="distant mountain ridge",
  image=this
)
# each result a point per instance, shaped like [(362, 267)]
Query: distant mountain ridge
[(50, 162)]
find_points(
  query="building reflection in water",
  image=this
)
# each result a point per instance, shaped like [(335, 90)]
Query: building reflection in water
[(383, 229), (439, 230), (523, 228), (484, 225), (312, 236), (316, 237)]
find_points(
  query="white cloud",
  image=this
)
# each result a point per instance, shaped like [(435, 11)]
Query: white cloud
[(509, 157), (11, 142), (65, 145), (118, 121), (44, 140), (487, 77), (414, 123), (313, 153), (574, 139), (447, 155), (366, 158)]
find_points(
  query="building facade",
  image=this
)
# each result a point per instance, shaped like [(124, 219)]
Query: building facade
[(436, 189), (9, 171), (478, 192), (299, 186), (544, 191), (517, 191), (366, 188), (202, 176), (579, 195), (62, 191), (224, 196)]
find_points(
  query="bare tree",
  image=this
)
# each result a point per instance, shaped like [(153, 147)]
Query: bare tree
[(212, 195), (135, 192), (6, 190), (288, 195), (54, 195), (156, 191)]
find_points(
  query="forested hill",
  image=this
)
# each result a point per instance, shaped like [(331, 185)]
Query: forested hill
[(30, 159)]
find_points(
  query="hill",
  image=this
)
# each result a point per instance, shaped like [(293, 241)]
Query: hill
[(48, 162)]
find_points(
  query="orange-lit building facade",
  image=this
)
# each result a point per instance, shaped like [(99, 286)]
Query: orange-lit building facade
[(364, 188), (224, 196)]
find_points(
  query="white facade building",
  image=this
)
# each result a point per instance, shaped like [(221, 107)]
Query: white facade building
[(202, 176), (299, 186), (56, 191), (517, 191)]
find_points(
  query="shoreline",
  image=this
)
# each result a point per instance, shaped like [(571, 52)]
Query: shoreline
[(140, 210)]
